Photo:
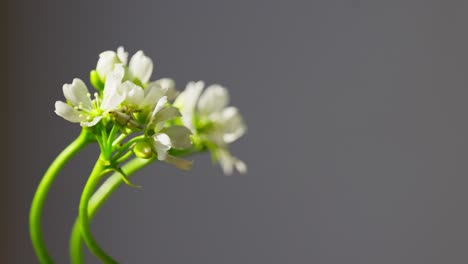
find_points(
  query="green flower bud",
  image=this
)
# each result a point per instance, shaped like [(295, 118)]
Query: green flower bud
[(96, 80), (143, 150)]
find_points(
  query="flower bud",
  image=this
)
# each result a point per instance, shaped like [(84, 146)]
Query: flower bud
[(106, 63), (141, 67), (96, 80), (143, 150)]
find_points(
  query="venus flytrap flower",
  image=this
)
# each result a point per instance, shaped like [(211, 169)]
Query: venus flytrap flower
[(216, 124), (81, 109), (162, 138)]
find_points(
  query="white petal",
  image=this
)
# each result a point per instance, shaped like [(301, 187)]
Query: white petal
[(229, 162), (233, 125), (106, 62), (240, 166), (179, 135), (162, 143), (141, 66), (113, 96), (77, 93), (166, 113), (225, 160), (187, 100), (169, 85), (134, 94), (158, 107), (123, 55), (67, 112), (153, 93), (213, 99), (92, 122)]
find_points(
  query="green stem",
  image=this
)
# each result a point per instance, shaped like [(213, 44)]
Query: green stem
[(96, 201), (126, 146), (112, 135), (97, 174), (38, 201)]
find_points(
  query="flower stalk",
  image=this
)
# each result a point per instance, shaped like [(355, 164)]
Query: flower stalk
[(97, 200), (35, 214), (100, 170)]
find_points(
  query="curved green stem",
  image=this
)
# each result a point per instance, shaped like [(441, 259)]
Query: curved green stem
[(35, 213), (104, 192), (97, 174), (96, 201)]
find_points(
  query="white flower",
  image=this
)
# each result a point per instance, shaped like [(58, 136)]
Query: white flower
[(165, 138), (209, 117), (81, 109), (140, 66)]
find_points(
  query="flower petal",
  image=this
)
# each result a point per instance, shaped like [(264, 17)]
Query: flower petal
[(78, 95), (229, 162), (167, 113), (162, 143), (141, 66), (106, 63), (92, 122), (240, 166), (122, 55), (153, 93), (67, 112), (113, 96), (161, 114), (213, 100), (187, 100), (159, 105), (134, 94), (233, 125), (169, 85), (179, 135)]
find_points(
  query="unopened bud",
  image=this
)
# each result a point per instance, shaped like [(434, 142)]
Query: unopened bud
[(96, 80), (143, 150)]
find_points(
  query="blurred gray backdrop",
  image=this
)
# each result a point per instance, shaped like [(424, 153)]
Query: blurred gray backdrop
[(357, 144)]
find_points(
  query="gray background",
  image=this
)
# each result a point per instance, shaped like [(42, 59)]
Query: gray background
[(357, 143)]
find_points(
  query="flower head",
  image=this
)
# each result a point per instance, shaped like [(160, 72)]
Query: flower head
[(210, 118), (80, 108)]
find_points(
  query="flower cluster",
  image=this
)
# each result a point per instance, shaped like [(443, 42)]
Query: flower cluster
[(130, 114)]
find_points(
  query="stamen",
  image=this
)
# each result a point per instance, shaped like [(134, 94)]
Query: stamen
[(97, 100)]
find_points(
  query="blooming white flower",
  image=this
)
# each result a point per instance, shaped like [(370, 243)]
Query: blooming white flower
[(81, 109), (165, 138), (209, 117), (140, 66)]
